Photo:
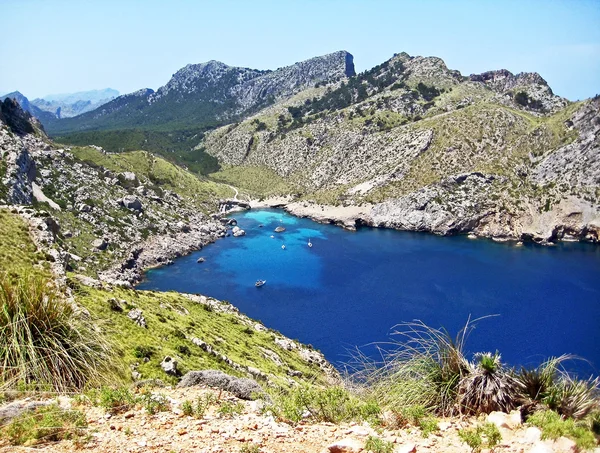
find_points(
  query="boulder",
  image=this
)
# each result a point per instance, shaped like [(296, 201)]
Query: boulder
[(127, 179), (116, 305), (132, 202), (241, 387), (100, 244), (237, 231), (136, 316), (16, 408), (169, 366), (279, 229), (345, 446)]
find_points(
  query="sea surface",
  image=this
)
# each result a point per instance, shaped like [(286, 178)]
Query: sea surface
[(352, 288)]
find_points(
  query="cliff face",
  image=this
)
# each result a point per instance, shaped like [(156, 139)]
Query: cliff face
[(496, 154)]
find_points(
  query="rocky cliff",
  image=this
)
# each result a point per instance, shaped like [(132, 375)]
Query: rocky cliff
[(495, 154)]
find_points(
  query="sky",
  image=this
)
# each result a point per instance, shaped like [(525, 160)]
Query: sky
[(52, 46)]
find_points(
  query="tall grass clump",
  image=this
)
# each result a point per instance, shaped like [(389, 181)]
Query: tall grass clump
[(551, 386), (42, 342), (424, 369), (488, 386)]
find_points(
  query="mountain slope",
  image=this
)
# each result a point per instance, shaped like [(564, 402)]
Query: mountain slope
[(207, 94), (494, 153)]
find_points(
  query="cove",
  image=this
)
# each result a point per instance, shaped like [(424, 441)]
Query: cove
[(351, 288)]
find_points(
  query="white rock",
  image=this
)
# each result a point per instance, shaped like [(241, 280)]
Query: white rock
[(499, 419), (345, 446), (406, 448), (532, 435), (541, 447)]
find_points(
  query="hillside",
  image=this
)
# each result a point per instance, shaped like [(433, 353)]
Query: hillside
[(424, 148), (68, 216)]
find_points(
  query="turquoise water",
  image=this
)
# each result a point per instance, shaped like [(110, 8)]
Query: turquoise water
[(351, 288)]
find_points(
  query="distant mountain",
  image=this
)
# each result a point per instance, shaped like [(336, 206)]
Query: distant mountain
[(44, 117), (208, 94), (73, 104)]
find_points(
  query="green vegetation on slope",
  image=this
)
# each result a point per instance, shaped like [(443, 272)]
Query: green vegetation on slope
[(158, 171), (173, 321), (257, 181), (174, 145)]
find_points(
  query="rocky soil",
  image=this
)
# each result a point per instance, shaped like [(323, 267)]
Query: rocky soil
[(171, 431)]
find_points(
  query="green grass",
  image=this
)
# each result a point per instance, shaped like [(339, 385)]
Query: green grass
[(44, 425), (377, 445), (173, 321), (257, 181), (18, 253), (553, 427), (330, 404), (44, 342), (157, 171), (481, 436)]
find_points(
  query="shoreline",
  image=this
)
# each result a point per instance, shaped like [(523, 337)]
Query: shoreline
[(161, 250)]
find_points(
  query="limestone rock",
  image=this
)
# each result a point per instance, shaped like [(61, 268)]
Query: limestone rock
[(100, 244), (136, 316), (241, 387), (169, 366), (345, 446), (132, 202), (237, 231)]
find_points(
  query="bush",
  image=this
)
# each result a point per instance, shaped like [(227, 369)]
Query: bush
[(487, 387), (378, 445), (553, 427), (112, 399), (43, 342), (333, 404), (46, 424), (482, 436)]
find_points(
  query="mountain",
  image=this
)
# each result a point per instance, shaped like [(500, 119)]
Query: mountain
[(73, 104), (207, 94), (43, 116), (425, 148)]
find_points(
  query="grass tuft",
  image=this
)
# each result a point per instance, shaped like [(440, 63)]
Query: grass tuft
[(43, 342)]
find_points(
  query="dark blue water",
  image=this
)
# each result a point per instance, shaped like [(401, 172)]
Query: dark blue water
[(351, 288)]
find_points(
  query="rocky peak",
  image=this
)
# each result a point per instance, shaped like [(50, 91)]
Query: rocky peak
[(18, 120), (289, 80), (503, 80), (196, 78), (428, 70), (528, 89)]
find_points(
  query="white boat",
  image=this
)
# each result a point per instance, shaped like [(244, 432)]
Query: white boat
[(283, 247), (272, 237), (259, 283), (309, 243)]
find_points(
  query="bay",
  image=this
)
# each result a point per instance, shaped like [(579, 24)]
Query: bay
[(351, 288)]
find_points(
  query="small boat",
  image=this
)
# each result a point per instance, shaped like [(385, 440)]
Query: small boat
[(259, 283), (283, 247), (272, 237), (309, 243)]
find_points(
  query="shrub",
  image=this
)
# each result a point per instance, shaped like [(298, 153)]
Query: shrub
[(487, 387), (333, 404), (46, 424), (43, 342), (424, 370), (551, 385), (378, 445), (250, 448), (228, 409), (112, 399), (482, 436), (553, 427)]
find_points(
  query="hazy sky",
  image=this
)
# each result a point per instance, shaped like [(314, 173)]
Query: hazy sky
[(52, 46)]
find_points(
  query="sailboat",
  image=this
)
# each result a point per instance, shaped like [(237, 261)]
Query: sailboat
[(309, 243), (283, 247)]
